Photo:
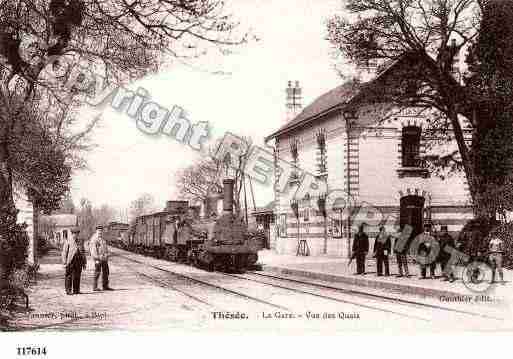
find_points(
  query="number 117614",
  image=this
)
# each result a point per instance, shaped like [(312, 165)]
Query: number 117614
[(31, 351)]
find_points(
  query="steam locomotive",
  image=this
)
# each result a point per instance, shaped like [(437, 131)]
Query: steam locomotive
[(178, 234)]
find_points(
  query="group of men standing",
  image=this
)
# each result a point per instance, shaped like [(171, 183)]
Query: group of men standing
[(427, 256), (74, 260)]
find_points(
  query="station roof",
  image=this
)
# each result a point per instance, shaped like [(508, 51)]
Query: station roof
[(348, 95), (331, 101)]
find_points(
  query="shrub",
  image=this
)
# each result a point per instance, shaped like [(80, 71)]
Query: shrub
[(42, 246), (24, 276), (472, 238), (14, 251)]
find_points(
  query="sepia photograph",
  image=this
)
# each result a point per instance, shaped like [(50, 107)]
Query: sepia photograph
[(260, 167)]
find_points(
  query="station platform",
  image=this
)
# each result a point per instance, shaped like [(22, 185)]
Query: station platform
[(337, 270)]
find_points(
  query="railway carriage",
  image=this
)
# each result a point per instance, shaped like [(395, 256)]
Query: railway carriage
[(115, 233)]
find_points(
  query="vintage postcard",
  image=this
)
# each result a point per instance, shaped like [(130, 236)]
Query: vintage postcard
[(291, 166)]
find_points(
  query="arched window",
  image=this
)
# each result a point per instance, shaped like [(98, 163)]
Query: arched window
[(410, 144)]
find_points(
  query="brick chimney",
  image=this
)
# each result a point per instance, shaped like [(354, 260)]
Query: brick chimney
[(294, 99)]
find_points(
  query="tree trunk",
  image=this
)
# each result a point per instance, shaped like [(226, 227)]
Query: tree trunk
[(475, 180), (7, 222), (32, 251)]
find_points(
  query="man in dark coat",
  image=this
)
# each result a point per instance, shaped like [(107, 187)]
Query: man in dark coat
[(360, 249), (382, 248), (446, 240), (401, 251), (425, 255), (74, 260)]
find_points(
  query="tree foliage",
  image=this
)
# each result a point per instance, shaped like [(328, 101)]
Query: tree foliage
[(196, 181), (13, 249), (144, 204), (464, 108), (490, 82), (90, 216), (86, 220), (105, 214), (121, 40), (36, 163), (66, 206), (204, 178)]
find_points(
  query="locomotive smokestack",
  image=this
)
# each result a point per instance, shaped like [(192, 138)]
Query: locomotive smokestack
[(228, 185)]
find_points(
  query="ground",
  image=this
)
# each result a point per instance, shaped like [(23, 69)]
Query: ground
[(157, 295)]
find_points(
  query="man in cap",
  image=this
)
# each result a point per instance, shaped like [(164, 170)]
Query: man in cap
[(382, 248), (496, 252), (401, 247), (100, 256), (360, 248), (446, 245), (74, 260)]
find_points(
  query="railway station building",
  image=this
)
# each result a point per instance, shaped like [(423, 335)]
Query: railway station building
[(372, 152)]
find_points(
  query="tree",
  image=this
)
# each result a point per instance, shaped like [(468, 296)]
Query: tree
[(200, 180), (104, 214), (35, 166), (196, 181), (90, 216), (490, 81), (37, 162), (66, 205), (86, 220), (144, 204), (121, 40), (427, 36)]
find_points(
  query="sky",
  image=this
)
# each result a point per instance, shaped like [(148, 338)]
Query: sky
[(248, 99)]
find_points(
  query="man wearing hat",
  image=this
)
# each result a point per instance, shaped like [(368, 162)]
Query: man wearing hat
[(360, 248), (100, 256), (427, 252), (446, 245), (74, 260)]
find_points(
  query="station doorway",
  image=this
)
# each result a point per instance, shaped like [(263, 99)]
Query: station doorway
[(411, 213)]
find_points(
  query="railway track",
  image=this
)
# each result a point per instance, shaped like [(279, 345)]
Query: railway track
[(193, 279), (362, 294), (331, 298), (299, 286), (282, 287), (166, 284)]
